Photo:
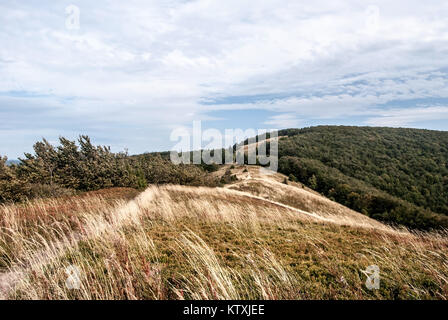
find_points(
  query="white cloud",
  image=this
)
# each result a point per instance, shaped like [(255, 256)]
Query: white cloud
[(136, 65), (286, 120), (407, 117)]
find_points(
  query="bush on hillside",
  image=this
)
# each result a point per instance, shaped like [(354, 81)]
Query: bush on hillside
[(52, 171)]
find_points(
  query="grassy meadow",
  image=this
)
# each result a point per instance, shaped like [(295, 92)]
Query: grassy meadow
[(257, 238)]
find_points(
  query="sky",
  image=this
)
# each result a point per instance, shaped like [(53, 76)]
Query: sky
[(128, 73)]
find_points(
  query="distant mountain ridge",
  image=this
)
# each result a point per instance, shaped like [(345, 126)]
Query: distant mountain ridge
[(10, 162)]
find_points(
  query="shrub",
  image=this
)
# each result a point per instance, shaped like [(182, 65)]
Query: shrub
[(71, 166)]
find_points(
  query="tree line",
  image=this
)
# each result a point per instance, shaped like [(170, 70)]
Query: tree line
[(81, 166), (396, 175)]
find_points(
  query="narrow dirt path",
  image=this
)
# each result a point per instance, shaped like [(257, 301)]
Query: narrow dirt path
[(121, 216)]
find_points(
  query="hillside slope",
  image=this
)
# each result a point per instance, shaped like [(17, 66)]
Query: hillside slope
[(392, 174), (257, 238)]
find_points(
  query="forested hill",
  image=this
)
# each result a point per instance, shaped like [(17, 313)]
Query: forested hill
[(392, 174)]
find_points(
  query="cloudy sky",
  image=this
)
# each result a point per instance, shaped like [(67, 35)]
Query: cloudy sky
[(132, 71)]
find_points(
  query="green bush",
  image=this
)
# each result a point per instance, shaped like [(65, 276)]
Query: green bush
[(71, 166)]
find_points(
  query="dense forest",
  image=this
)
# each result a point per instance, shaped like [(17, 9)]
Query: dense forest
[(392, 174)]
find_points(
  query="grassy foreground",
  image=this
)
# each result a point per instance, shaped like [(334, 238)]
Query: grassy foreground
[(255, 239)]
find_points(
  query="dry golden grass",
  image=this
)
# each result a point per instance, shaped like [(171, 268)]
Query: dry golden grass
[(258, 239)]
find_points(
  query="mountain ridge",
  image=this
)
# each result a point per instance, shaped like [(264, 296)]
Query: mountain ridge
[(348, 163)]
